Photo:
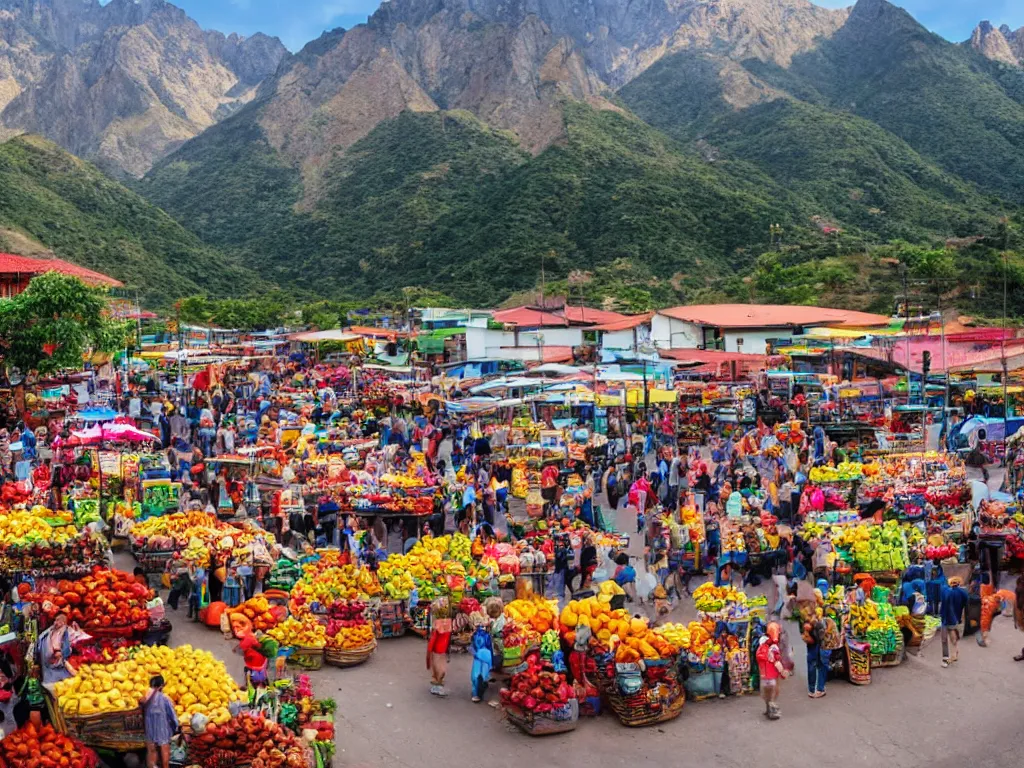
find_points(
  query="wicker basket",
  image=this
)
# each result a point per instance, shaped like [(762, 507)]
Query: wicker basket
[(646, 707), (307, 659), (349, 657), (540, 725), (118, 731)]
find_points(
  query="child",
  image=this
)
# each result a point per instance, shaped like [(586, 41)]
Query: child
[(483, 658), (769, 662), (438, 646)]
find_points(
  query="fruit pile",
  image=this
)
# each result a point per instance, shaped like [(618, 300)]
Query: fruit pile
[(33, 746), (882, 632), (631, 639), (335, 582), (304, 632), (19, 528), (539, 614), (195, 681), (697, 639), (100, 650), (847, 470), (201, 534), (536, 689), (347, 626), (711, 599), (242, 739), (259, 612), (942, 553), (875, 547), (433, 567), (100, 600)]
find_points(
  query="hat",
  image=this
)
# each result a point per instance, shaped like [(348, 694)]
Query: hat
[(955, 581)]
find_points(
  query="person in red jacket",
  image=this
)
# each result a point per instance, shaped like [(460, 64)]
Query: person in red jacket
[(439, 645)]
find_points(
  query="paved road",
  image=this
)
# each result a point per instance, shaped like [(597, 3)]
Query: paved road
[(917, 714), (914, 715)]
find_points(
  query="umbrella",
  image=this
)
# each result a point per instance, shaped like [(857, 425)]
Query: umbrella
[(124, 432)]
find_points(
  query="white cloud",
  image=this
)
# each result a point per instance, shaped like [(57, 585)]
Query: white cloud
[(332, 9)]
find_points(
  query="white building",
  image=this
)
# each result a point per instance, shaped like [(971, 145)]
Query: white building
[(746, 328)]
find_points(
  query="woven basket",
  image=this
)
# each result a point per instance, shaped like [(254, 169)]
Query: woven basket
[(309, 659), (539, 725), (118, 731), (349, 657), (643, 708)]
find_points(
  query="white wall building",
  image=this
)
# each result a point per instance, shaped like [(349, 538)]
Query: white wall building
[(746, 328)]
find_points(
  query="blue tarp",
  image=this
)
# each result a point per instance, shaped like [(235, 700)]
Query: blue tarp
[(97, 414)]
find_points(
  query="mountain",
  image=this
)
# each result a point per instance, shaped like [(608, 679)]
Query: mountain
[(463, 144), (1003, 45), (993, 44), (51, 201), (942, 99), (123, 83)]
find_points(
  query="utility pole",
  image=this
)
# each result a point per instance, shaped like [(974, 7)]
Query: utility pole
[(181, 348), (906, 329), (1002, 340)]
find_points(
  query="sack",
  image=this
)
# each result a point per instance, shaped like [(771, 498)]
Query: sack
[(831, 639)]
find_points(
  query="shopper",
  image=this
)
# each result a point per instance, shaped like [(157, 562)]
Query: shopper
[(769, 662), (161, 723), (814, 631), (953, 604)]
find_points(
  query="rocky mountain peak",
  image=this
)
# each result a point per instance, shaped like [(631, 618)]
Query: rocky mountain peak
[(993, 43), (122, 83)]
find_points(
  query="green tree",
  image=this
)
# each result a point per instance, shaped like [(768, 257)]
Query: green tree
[(50, 325)]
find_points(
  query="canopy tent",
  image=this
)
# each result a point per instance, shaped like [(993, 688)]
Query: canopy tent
[(557, 369), (315, 337), (635, 397), (112, 432), (96, 414)]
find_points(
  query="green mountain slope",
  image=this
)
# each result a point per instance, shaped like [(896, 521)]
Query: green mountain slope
[(71, 208), (942, 99), (857, 174), (843, 167), (441, 200)]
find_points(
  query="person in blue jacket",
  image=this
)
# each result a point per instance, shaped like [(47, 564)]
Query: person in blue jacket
[(954, 605), (483, 659)]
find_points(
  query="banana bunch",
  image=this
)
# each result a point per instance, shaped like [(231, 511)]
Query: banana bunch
[(862, 617)]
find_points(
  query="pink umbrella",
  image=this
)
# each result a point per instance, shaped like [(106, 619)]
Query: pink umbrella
[(126, 432), (89, 436)]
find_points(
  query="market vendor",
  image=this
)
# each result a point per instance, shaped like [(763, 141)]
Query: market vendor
[(54, 650)]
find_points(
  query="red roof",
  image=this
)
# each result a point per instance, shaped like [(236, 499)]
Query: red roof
[(23, 265), (590, 316), (770, 316), (626, 323), (525, 317)]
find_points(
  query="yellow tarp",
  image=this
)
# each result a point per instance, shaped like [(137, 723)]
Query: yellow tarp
[(635, 397)]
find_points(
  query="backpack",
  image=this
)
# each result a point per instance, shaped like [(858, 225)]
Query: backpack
[(831, 639)]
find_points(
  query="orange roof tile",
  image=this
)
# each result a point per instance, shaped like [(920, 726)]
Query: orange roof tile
[(588, 315), (528, 318), (11, 264)]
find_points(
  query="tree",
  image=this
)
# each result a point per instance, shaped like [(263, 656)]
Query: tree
[(50, 325)]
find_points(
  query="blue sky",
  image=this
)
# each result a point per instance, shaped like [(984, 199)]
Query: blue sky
[(297, 22)]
